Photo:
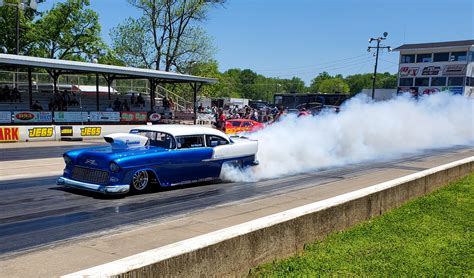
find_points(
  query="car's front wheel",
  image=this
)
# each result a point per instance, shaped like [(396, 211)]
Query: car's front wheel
[(140, 181)]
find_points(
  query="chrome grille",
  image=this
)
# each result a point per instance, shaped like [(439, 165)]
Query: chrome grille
[(90, 175)]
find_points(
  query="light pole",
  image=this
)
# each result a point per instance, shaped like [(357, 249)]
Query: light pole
[(378, 47), (19, 5)]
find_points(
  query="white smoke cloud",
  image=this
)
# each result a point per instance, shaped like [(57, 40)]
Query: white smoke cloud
[(362, 131)]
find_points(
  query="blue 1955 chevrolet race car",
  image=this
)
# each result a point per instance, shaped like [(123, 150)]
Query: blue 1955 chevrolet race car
[(165, 155)]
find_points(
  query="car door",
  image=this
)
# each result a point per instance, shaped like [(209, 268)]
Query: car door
[(189, 160)]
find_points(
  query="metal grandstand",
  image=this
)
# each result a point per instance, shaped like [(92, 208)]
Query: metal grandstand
[(56, 68)]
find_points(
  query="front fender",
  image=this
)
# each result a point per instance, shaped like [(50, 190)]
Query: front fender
[(127, 178)]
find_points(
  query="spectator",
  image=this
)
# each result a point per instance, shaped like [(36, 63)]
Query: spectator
[(36, 106), (15, 95), (5, 94), (166, 103), (133, 99), (303, 112), (220, 124), (51, 106), (200, 108), (125, 106), (109, 107), (171, 104), (140, 101), (73, 101), (279, 115), (66, 98), (58, 100), (117, 104)]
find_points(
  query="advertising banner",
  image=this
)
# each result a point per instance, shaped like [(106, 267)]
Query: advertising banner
[(133, 117), (9, 134), (91, 131), (66, 131), (71, 117), (431, 70), (40, 132), (104, 116), (409, 71), (411, 90), (32, 117), (454, 90), (454, 70), (5, 117), (429, 90), (154, 117)]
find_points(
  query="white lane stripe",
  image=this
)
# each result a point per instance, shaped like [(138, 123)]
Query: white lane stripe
[(30, 176), (175, 249)]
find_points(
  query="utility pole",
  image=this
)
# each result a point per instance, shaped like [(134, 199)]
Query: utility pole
[(378, 47), (22, 4), (17, 48)]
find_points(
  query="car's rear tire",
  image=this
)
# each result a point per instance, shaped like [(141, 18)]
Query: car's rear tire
[(140, 181)]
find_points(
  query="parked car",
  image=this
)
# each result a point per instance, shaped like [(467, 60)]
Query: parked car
[(161, 155), (236, 126)]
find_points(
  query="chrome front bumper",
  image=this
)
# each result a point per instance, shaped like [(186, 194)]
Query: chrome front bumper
[(105, 189)]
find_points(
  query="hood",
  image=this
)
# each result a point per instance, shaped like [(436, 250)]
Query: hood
[(126, 140)]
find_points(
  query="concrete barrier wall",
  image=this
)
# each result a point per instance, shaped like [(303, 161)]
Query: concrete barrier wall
[(234, 250)]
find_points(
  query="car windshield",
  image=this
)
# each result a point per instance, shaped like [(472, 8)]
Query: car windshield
[(157, 139), (235, 123)]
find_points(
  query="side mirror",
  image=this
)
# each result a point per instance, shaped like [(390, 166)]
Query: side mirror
[(178, 145)]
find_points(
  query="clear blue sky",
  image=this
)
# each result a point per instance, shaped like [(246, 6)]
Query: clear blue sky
[(282, 38)]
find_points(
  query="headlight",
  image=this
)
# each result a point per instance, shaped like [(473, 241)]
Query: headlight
[(114, 167), (67, 159)]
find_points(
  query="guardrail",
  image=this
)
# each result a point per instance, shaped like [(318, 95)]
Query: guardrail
[(234, 250)]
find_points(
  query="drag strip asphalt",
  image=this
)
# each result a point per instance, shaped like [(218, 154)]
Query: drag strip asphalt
[(12, 154), (36, 213)]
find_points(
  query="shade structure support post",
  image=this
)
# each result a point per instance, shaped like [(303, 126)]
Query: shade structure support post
[(30, 88), (109, 79), (97, 91), (152, 94), (196, 88)]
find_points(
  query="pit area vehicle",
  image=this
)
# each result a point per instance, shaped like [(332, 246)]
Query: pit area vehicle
[(235, 126)]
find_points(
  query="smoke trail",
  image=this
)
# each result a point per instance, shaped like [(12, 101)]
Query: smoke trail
[(362, 131)]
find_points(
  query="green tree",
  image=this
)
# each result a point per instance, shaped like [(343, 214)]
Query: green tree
[(387, 81), (295, 85), (316, 82), (69, 30), (207, 69), (247, 84), (357, 82), (334, 85), (167, 36), (8, 26)]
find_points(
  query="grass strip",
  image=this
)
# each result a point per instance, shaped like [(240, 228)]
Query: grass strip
[(429, 236)]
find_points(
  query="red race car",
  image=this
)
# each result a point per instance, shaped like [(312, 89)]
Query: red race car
[(235, 126)]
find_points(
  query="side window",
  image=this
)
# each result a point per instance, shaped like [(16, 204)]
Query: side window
[(213, 141), (187, 142), (235, 123), (245, 124), (163, 140)]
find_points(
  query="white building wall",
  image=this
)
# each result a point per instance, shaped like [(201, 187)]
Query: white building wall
[(437, 69)]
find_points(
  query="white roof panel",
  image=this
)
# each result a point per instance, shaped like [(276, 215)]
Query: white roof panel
[(37, 62), (183, 130)]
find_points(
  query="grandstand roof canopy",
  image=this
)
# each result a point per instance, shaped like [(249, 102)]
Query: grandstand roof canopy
[(75, 66)]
